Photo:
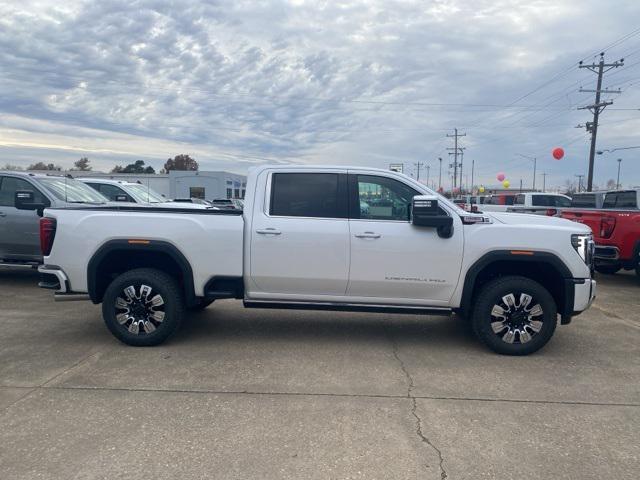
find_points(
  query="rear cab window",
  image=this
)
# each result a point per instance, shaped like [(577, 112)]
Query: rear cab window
[(626, 200), (315, 195), (586, 200)]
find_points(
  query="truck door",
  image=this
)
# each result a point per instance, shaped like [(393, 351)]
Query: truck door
[(390, 257), (19, 229), (300, 236)]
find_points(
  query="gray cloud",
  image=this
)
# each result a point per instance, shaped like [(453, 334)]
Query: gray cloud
[(362, 82)]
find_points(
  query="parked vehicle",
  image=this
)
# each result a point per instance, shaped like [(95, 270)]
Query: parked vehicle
[(616, 229), (587, 199), (304, 241), (470, 203), (123, 191), (199, 201), (539, 203), (224, 203), (19, 229), (498, 202)]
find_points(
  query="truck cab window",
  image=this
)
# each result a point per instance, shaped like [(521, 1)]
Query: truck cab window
[(321, 195), (382, 198)]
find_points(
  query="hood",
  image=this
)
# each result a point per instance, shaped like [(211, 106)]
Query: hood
[(510, 218)]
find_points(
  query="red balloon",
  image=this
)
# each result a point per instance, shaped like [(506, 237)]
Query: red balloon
[(558, 153), (500, 176)]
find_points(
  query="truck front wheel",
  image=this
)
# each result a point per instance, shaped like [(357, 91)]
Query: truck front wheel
[(514, 315), (143, 307)]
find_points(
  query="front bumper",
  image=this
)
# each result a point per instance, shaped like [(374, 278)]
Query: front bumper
[(584, 295)]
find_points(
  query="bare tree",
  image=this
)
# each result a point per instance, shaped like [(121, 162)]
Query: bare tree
[(44, 166)]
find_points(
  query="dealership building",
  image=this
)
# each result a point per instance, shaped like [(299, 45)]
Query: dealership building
[(183, 184)]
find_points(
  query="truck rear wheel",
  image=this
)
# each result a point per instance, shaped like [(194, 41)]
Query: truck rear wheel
[(514, 315), (143, 307)]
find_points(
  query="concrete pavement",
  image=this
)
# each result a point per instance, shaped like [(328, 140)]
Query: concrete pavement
[(296, 394)]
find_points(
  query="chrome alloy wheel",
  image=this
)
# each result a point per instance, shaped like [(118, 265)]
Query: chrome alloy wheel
[(138, 310), (516, 321)]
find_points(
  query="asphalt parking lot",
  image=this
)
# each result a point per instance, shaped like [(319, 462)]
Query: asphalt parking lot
[(289, 394)]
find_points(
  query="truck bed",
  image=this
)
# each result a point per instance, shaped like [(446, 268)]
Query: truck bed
[(210, 240)]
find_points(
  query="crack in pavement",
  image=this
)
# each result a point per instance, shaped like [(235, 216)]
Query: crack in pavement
[(414, 408)]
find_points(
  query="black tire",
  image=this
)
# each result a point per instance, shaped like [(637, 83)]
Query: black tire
[(201, 305), (517, 320), (608, 269), (140, 311)]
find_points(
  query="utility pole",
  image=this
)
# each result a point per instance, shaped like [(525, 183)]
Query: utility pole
[(520, 185), (440, 174), (461, 161), (472, 171), (428, 169), (544, 181), (618, 182), (418, 165), (455, 152), (580, 177), (534, 167), (597, 107)]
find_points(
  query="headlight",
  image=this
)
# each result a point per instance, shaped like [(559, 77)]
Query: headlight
[(583, 244)]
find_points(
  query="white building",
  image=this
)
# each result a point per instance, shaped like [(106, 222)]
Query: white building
[(207, 185)]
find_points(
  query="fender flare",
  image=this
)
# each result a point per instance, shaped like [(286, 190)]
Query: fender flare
[(533, 257), (128, 245)]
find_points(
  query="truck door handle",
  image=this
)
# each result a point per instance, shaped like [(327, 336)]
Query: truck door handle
[(368, 235), (268, 231), (2, 214)]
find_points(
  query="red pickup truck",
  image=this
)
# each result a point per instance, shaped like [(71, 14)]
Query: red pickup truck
[(616, 230)]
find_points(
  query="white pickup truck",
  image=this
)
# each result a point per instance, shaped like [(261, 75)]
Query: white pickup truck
[(323, 238)]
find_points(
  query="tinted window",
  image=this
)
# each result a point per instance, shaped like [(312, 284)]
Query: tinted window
[(620, 200), (382, 198), (519, 200), (561, 202), (110, 191), (626, 200), (587, 200), (322, 195), (540, 201), (9, 186)]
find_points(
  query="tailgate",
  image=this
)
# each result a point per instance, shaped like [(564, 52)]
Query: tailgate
[(590, 218)]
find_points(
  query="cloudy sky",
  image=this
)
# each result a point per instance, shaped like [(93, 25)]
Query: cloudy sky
[(239, 83)]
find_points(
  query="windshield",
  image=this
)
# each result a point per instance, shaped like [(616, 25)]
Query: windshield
[(143, 194), (71, 190)]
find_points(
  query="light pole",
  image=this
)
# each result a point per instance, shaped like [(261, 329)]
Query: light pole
[(440, 174), (618, 181), (535, 160)]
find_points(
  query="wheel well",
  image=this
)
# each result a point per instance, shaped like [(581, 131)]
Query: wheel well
[(545, 273), (115, 259)]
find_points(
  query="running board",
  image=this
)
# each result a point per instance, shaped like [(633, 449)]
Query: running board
[(349, 307), (70, 297)]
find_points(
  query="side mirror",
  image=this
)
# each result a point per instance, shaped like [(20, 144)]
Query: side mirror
[(425, 212), (25, 200), (122, 198)]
